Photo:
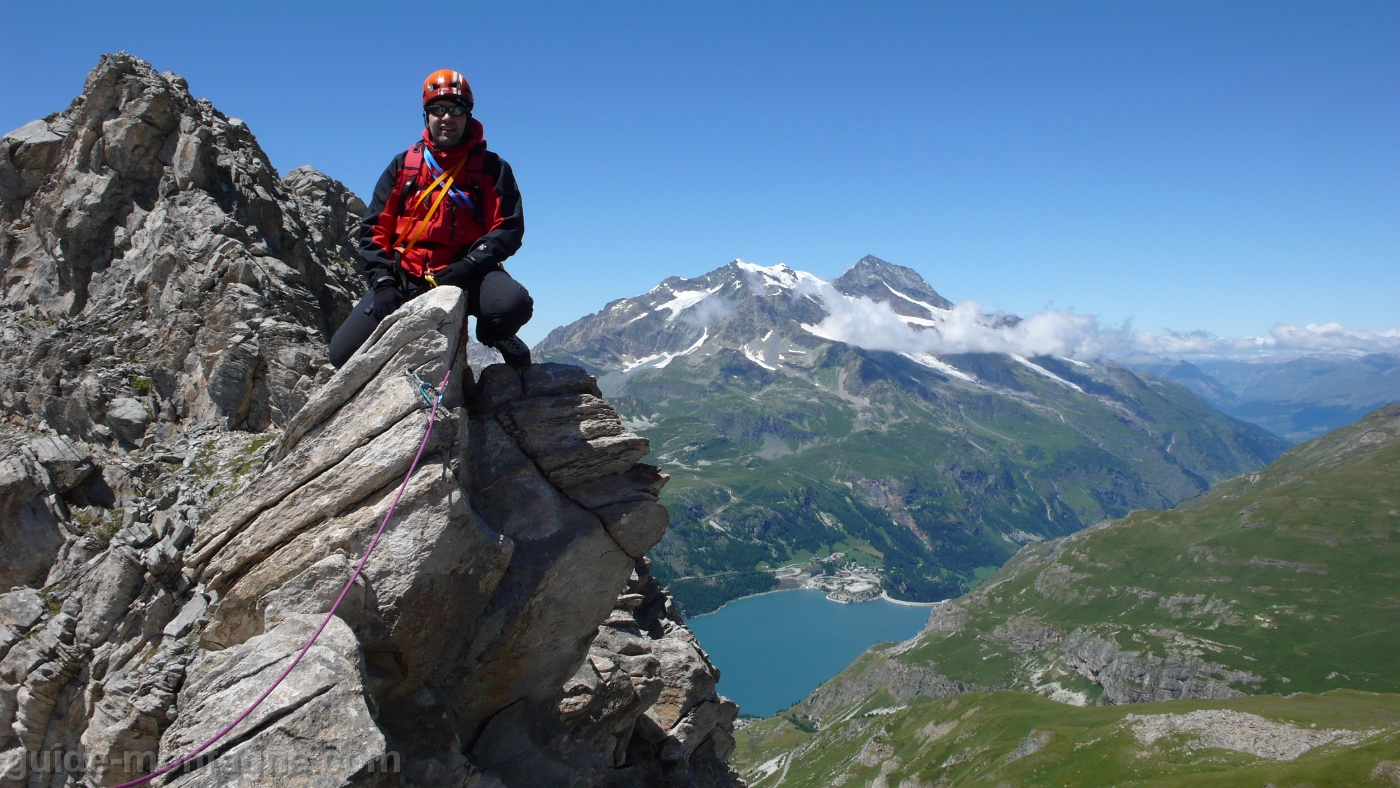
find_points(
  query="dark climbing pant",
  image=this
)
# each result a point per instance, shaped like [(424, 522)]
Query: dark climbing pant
[(500, 305)]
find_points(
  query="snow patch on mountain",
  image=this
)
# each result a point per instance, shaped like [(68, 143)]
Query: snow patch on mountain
[(933, 362), (684, 299), (919, 321), (757, 359), (660, 360), (641, 423), (1045, 372), (779, 275), (933, 310)]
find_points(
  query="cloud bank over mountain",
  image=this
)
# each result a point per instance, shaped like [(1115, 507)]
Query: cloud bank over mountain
[(967, 328)]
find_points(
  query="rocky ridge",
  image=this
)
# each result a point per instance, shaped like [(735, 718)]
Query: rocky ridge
[(184, 505), (1010, 738), (1045, 657), (157, 271)]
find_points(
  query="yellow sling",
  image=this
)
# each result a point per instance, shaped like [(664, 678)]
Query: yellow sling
[(446, 179)]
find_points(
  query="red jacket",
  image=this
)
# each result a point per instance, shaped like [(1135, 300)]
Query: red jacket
[(480, 219)]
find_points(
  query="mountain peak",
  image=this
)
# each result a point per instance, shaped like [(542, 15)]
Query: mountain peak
[(733, 306), (872, 261), (902, 288)]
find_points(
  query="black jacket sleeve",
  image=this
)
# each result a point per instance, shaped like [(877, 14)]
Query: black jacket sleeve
[(376, 260), (494, 247)]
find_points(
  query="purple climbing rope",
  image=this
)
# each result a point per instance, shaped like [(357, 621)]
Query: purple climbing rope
[(432, 418)]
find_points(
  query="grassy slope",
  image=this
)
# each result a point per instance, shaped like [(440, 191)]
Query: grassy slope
[(970, 740), (1306, 598)]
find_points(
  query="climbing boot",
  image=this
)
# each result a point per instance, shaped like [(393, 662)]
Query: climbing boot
[(515, 352)]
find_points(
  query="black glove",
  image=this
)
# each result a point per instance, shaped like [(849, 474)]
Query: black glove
[(464, 273), (387, 298)]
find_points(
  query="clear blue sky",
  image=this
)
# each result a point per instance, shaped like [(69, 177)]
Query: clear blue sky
[(1196, 165)]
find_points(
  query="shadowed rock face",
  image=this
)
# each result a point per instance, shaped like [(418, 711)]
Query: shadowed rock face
[(505, 632)]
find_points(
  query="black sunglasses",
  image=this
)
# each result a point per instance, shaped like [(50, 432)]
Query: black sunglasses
[(438, 110)]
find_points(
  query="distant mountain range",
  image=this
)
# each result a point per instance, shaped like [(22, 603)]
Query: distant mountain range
[(1297, 398), (1281, 581), (787, 440)]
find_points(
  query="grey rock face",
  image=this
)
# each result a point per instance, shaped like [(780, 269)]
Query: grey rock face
[(157, 272), (505, 626), (21, 609), (1133, 677), (1023, 635), (646, 696), (317, 729), (68, 464), (868, 278), (128, 419), (535, 438), (904, 683), (946, 618), (29, 523)]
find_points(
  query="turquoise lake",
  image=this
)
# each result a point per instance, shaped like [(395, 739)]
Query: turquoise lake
[(772, 650)]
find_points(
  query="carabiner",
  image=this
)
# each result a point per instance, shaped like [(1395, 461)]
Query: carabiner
[(430, 395)]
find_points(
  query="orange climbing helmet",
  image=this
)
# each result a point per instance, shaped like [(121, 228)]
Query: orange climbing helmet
[(447, 83)]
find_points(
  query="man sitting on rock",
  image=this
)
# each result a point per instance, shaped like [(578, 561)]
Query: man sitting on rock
[(445, 212)]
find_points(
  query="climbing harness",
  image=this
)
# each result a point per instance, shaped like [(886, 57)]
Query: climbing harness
[(458, 196), (440, 203), (423, 389), (446, 179)]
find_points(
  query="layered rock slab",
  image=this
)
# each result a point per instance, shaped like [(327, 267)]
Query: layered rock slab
[(514, 541), (315, 729), (287, 546)]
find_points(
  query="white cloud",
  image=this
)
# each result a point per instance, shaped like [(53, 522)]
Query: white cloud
[(711, 311), (967, 328), (1283, 338), (1335, 337)]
